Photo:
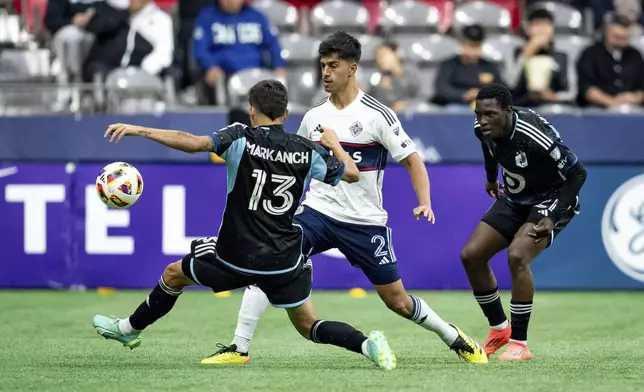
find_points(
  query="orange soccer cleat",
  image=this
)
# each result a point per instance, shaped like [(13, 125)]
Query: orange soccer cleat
[(515, 352), (496, 339)]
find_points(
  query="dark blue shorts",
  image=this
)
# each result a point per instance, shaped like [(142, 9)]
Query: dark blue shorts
[(366, 247)]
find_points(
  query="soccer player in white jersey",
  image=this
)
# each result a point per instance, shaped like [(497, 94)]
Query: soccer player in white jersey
[(350, 217)]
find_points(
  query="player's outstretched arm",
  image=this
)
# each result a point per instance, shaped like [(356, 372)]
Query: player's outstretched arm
[(420, 180), (330, 140), (179, 140)]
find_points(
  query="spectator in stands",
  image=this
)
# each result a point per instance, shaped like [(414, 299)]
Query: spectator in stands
[(631, 9), (398, 82), (141, 37), (231, 36), (611, 72), (542, 71), (67, 21), (459, 78)]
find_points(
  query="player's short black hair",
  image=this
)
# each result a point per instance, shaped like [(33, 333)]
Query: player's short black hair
[(496, 91), (540, 14), (342, 44), (269, 97), (473, 33)]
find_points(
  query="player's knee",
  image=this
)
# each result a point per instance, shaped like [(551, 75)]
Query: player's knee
[(518, 260), (173, 276), (400, 304), (470, 257)]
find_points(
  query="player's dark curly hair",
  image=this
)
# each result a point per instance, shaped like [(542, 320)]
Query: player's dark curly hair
[(342, 44), (269, 97), (496, 91)]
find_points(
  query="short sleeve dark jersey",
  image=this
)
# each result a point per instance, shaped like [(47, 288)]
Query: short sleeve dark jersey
[(534, 161), (267, 172)]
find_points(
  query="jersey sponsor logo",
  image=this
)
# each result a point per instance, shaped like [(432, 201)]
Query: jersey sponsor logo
[(514, 183), (623, 228), (555, 153), (397, 131), (521, 160), (355, 128), (368, 157), (291, 157), (406, 143)]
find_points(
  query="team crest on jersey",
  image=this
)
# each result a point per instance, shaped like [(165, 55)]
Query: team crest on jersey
[(355, 128), (521, 160)]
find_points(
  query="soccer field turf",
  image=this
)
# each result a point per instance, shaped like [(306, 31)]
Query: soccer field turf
[(580, 342)]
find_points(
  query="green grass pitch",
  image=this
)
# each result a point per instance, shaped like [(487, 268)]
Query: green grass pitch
[(580, 342)]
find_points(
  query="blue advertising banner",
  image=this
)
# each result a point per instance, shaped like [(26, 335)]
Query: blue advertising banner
[(55, 232), (446, 138)]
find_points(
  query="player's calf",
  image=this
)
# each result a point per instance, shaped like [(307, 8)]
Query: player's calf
[(158, 303), (342, 335), (521, 253)]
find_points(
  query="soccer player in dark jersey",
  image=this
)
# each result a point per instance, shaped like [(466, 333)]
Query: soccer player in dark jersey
[(542, 179), (258, 244)]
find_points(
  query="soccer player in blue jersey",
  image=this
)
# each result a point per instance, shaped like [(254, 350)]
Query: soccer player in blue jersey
[(257, 244)]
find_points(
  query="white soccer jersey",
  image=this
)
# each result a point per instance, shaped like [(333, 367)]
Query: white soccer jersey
[(367, 129)]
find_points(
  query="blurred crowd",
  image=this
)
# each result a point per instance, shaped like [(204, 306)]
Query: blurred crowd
[(416, 53)]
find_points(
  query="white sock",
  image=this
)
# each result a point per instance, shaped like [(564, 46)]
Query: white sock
[(501, 326), (424, 316), (254, 304), (524, 342), (365, 350), (126, 328)]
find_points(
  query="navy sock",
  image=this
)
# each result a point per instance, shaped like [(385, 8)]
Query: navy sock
[(520, 312), (158, 304), (490, 303), (338, 334)]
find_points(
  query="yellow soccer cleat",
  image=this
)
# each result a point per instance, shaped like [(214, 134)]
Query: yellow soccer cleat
[(227, 355), (467, 348)]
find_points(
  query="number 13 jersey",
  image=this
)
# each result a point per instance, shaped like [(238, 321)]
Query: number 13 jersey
[(267, 172), (367, 131)]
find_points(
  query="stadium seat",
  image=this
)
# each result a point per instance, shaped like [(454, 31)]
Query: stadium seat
[(369, 45), (410, 16), (502, 49), (242, 81), (572, 46), (492, 17), (25, 77), (302, 86), (132, 90), (427, 51), (299, 50), (24, 65), (283, 15), (568, 20), (330, 16), (513, 8)]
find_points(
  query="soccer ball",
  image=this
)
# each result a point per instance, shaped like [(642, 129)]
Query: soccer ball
[(119, 185)]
